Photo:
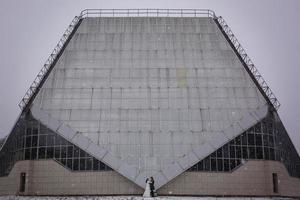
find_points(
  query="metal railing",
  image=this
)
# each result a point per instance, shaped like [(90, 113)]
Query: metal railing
[(147, 13), (41, 75), (263, 84)]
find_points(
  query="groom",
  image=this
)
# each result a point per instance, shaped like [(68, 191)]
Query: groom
[(152, 188)]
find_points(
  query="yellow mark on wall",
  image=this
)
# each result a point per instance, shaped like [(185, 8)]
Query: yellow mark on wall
[(181, 77)]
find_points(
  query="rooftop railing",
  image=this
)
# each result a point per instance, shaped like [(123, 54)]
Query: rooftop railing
[(241, 51), (147, 13), (41, 75)]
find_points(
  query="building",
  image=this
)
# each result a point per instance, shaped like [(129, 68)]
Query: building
[(129, 94)]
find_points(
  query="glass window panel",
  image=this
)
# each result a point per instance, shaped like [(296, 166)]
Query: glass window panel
[(264, 127), (200, 166), (76, 152), (266, 140), (252, 152), (34, 141), (50, 152), (70, 152), (82, 164), (245, 152), (42, 140), (213, 164), (28, 141), (42, 153), (266, 153), (35, 131), (232, 152), (272, 154), (76, 164), (89, 162), (95, 164), (251, 131), (226, 165), (219, 153), (257, 128), (34, 154), (251, 139), (63, 161), (214, 154), (206, 164), (50, 140), (58, 140), (82, 154), (225, 151), (194, 167), (258, 139), (238, 152), (28, 131), (102, 166), (69, 163), (63, 152), (271, 141), (220, 164), (57, 152), (238, 140), (259, 153), (232, 164), (244, 139), (27, 154)]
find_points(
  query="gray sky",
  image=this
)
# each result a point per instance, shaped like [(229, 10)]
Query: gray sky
[(269, 30)]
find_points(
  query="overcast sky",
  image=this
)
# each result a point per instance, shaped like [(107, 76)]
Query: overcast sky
[(269, 30)]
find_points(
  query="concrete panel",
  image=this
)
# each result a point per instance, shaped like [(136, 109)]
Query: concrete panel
[(188, 160), (66, 131), (112, 161), (128, 171), (82, 141), (96, 151), (172, 170)]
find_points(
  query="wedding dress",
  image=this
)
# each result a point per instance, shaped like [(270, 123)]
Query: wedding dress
[(147, 190)]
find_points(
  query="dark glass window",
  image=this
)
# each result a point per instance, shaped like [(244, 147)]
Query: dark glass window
[(220, 164), (252, 153), (219, 153), (258, 139), (251, 139), (259, 153), (213, 164), (226, 165), (76, 164), (34, 141), (42, 153), (34, 154), (232, 164)]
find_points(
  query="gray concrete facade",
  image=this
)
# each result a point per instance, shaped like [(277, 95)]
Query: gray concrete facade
[(149, 96)]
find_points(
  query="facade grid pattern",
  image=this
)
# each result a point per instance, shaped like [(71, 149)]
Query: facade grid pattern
[(267, 140), (33, 141)]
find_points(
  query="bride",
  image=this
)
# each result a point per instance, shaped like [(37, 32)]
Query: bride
[(147, 192)]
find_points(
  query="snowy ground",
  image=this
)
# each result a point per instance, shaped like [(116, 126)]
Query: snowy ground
[(131, 198)]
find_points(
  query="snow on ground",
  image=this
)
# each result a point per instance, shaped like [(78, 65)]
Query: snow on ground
[(131, 198)]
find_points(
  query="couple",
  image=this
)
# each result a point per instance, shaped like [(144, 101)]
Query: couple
[(150, 190)]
